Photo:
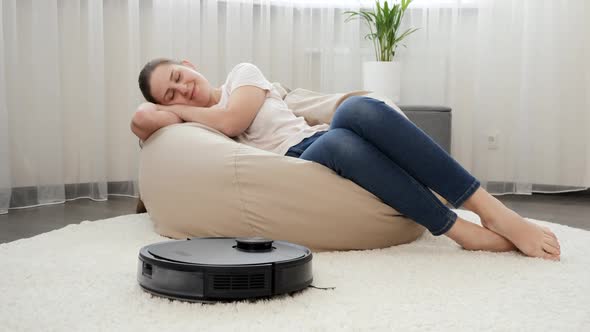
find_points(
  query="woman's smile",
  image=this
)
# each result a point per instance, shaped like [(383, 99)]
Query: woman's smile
[(193, 91)]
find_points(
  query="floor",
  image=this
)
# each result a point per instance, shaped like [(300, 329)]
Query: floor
[(572, 209)]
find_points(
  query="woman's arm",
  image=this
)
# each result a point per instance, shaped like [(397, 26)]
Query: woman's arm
[(147, 120), (216, 118), (243, 105)]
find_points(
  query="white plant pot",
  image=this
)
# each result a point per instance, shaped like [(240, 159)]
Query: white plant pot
[(383, 78)]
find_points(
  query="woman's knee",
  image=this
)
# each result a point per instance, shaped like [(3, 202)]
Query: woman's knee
[(336, 144), (354, 109)]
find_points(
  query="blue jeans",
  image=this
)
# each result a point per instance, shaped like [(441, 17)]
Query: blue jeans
[(374, 146)]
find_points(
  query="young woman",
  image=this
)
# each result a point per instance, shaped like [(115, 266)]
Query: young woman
[(367, 142)]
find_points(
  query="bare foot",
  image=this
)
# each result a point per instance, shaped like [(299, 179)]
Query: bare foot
[(531, 239), (474, 237)]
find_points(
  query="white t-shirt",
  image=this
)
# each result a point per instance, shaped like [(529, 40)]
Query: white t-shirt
[(275, 128)]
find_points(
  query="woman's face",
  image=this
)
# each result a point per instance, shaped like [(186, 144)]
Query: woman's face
[(173, 84)]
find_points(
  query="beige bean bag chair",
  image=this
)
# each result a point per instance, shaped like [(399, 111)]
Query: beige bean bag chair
[(195, 181)]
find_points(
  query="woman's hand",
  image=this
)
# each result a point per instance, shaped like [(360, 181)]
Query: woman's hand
[(147, 119), (175, 109), (147, 107), (151, 107)]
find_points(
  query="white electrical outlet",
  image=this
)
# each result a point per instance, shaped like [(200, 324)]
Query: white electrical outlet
[(492, 140)]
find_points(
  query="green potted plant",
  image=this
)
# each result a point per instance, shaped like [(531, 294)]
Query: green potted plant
[(383, 75)]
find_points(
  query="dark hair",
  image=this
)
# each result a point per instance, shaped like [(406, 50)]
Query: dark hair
[(146, 73)]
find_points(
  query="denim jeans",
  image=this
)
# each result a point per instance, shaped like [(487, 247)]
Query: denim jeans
[(374, 146)]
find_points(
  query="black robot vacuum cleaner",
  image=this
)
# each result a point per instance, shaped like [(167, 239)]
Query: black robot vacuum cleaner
[(213, 269)]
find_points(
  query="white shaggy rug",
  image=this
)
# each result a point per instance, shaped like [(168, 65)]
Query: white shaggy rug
[(83, 278)]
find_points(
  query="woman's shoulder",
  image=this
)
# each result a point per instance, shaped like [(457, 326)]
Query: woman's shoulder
[(246, 72), (244, 67)]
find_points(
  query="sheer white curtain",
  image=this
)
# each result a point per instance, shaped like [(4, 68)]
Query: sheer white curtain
[(516, 68), (67, 98), (68, 81)]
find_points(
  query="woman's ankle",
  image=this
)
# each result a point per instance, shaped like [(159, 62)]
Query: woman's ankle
[(460, 233), (471, 236), (483, 204)]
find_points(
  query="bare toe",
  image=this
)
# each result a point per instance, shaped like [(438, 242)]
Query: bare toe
[(549, 232), (531, 239), (550, 248), (550, 256), (551, 241)]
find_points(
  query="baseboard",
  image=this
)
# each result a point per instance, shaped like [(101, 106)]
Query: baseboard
[(29, 196), (503, 188)]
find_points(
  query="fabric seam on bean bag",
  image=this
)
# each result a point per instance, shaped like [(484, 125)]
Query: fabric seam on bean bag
[(242, 207)]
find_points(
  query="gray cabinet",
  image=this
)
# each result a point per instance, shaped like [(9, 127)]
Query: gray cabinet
[(435, 121)]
